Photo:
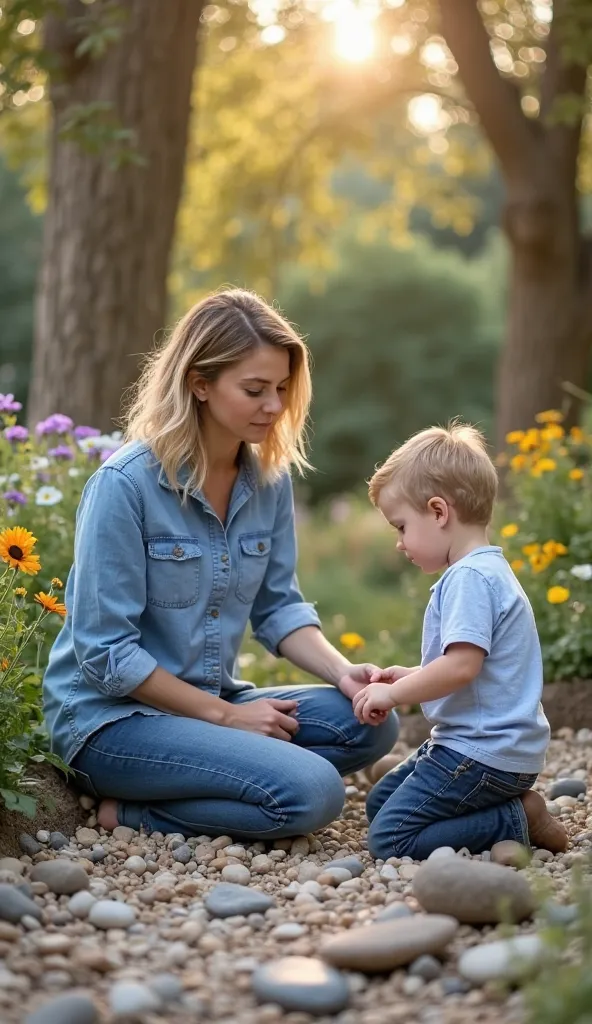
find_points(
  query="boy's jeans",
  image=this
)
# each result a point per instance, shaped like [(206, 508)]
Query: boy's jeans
[(438, 797)]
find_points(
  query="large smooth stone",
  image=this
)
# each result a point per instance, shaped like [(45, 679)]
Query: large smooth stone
[(382, 947), (301, 983), (61, 876), (68, 1009), (14, 905), (351, 864), (567, 787), (506, 960), (111, 914), (133, 999), (474, 892), (228, 900)]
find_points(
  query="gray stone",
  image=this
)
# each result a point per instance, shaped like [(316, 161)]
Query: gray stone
[(426, 967), (80, 904), (132, 998), (42, 836), (27, 889), (98, 854), (474, 892), (351, 864), (567, 787), (236, 874), (393, 911), (506, 960), (381, 947), (123, 833), (455, 986), (57, 840), (87, 836), (442, 852), (182, 853), (167, 987), (559, 913), (61, 876), (69, 1009), (289, 930), (301, 983), (510, 853), (11, 864), (14, 905), (111, 914), (227, 900), (137, 865), (29, 845)]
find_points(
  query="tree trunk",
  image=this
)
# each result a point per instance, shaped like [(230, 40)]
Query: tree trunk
[(109, 226)]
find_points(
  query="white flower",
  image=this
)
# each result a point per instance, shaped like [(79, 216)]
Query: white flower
[(48, 496), (582, 572), (105, 442), (39, 462), (244, 660), (74, 471), (12, 479)]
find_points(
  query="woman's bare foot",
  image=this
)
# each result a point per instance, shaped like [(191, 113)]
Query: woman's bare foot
[(543, 830), (107, 815)]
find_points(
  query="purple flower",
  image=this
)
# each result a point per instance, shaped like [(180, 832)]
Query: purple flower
[(16, 433), (15, 497), (106, 453), (55, 424), (82, 432), (8, 404), (61, 452)]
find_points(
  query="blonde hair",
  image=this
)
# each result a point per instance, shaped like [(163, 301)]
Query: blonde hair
[(215, 334), (449, 462)]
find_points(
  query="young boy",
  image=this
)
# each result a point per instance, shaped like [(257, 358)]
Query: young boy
[(480, 679)]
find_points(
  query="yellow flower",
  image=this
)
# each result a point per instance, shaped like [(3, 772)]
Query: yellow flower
[(517, 564), (514, 436), (543, 466), (530, 441), (50, 603), (557, 595), (560, 549), (16, 545), (57, 583), (509, 530), (539, 563), (550, 416), (20, 592), (577, 435), (553, 432), (4, 664), (518, 462), (576, 474), (531, 549), (351, 641)]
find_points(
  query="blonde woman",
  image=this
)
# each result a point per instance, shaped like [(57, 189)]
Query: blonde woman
[(182, 536)]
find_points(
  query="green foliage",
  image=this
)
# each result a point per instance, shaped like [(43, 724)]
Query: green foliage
[(400, 339)]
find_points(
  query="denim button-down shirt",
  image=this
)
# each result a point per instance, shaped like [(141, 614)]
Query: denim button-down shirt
[(159, 582)]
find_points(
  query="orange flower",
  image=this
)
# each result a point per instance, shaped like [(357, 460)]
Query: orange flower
[(16, 546), (50, 603), (576, 474), (550, 416)]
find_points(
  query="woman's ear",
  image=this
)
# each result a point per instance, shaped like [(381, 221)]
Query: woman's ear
[(198, 385), (440, 510)]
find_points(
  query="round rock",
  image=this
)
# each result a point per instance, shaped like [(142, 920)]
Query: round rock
[(57, 840), (426, 967), (137, 865), (80, 903), (510, 854), (68, 1009), (29, 845), (61, 876), (351, 864), (301, 983), (182, 854), (131, 999), (16, 867), (167, 987), (506, 960), (87, 836), (111, 914), (567, 787), (474, 892), (226, 900), (442, 852), (236, 874), (14, 905), (394, 911), (382, 947)]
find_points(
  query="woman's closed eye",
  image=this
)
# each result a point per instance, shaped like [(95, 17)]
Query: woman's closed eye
[(257, 394)]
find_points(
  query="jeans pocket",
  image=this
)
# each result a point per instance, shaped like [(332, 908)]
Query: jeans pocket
[(448, 761), (493, 789)]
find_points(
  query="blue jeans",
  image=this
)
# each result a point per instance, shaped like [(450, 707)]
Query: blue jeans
[(173, 774), (440, 798)]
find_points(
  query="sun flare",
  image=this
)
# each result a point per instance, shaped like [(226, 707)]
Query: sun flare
[(355, 35)]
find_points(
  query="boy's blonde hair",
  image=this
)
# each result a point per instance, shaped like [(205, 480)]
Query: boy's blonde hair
[(217, 333), (449, 462)]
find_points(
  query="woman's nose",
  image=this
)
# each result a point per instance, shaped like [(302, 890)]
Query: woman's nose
[(273, 405)]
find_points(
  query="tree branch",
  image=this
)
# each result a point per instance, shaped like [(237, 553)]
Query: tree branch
[(512, 135), (564, 79)]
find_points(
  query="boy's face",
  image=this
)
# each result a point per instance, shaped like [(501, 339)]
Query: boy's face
[(423, 538)]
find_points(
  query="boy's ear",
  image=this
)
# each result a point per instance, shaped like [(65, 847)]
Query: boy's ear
[(440, 510)]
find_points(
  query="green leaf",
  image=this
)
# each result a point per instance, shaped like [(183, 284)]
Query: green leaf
[(19, 802)]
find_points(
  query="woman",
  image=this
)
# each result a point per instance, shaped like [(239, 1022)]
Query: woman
[(181, 536)]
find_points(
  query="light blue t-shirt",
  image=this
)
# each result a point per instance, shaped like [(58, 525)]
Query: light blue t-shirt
[(497, 719)]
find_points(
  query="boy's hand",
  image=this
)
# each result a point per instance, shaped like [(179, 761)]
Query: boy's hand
[(375, 701), (389, 675)]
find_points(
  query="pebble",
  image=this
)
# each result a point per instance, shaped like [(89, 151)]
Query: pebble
[(441, 852), (510, 853), (559, 913), (394, 911), (301, 983), (16, 867), (111, 914), (87, 836), (132, 998), (289, 930), (382, 947), (334, 877), (426, 967), (57, 840), (455, 986), (123, 834), (307, 872), (86, 802), (69, 1009), (236, 874), (43, 836), (167, 987), (474, 892), (61, 876), (506, 960), (567, 787), (137, 865), (351, 864), (183, 854), (29, 845), (226, 900), (14, 905), (80, 903), (389, 873)]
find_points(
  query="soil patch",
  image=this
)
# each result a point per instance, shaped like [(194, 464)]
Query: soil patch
[(58, 810)]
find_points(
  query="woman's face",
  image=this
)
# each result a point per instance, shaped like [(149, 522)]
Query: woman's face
[(248, 398)]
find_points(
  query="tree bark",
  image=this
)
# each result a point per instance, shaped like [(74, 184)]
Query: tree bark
[(549, 331), (108, 228)]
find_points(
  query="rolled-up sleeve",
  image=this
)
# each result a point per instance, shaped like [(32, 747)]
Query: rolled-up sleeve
[(109, 594), (279, 607)]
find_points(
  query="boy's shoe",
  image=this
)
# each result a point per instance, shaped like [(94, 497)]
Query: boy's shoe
[(543, 830)]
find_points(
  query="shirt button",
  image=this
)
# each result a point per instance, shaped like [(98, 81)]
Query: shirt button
[(214, 613), (224, 558), (178, 551), (261, 546)]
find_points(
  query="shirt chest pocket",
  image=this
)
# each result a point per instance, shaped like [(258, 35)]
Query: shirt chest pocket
[(172, 572), (254, 551)]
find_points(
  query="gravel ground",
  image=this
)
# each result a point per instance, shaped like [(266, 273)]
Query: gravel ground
[(127, 922)]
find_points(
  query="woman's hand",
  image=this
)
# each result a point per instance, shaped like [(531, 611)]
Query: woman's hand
[(373, 703), (269, 717), (390, 674)]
